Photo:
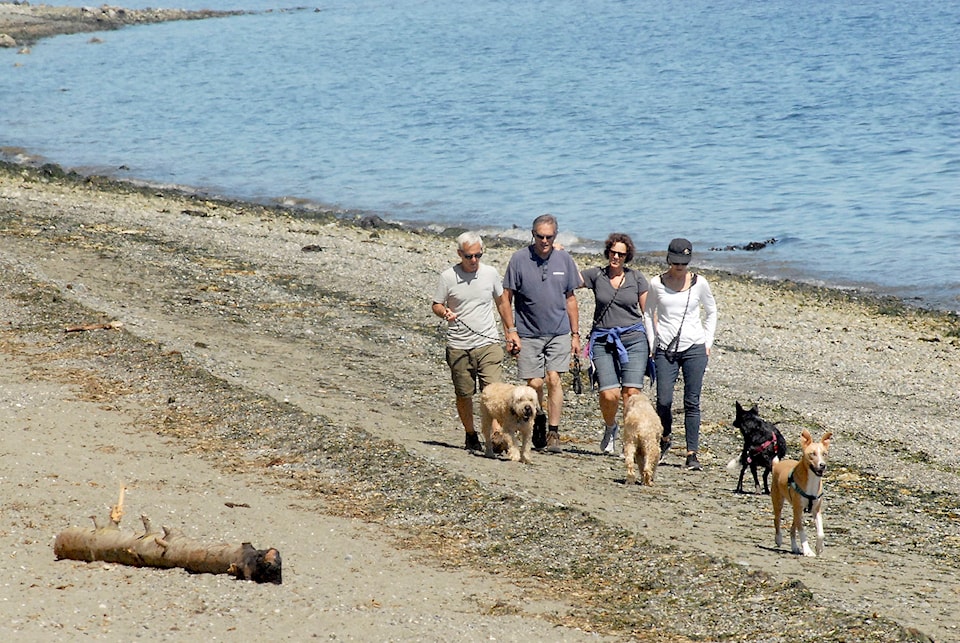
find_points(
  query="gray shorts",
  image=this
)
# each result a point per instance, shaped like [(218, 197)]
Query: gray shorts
[(539, 355)]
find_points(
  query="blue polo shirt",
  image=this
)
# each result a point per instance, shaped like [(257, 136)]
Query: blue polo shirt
[(540, 288)]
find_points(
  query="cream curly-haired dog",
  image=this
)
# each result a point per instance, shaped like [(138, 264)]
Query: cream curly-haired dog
[(641, 438), (514, 407)]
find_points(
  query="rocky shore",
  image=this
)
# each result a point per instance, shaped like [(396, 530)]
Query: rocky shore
[(288, 360), (22, 24)]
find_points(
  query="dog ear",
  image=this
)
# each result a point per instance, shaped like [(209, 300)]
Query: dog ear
[(739, 408), (805, 438), (826, 440)]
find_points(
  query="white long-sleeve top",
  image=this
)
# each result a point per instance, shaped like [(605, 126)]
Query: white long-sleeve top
[(665, 309)]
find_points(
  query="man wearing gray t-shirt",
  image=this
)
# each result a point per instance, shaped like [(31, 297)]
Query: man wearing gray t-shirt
[(465, 295), (539, 284)]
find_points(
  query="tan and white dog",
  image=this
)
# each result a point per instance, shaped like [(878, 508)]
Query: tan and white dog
[(514, 407), (641, 438), (802, 483)]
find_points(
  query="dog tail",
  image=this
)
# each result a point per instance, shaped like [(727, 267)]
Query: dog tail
[(733, 463)]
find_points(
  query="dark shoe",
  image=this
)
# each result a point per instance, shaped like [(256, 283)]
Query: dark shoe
[(540, 430), (553, 442), (473, 442), (693, 464), (664, 450)]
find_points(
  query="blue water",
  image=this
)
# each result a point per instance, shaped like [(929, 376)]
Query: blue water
[(832, 127)]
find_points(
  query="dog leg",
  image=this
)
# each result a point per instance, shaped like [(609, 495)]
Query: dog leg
[(645, 464), (513, 451), (629, 455), (796, 529), (486, 428), (743, 470), (651, 459), (818, 522), (756, 480), (526, 442), (766, 478), (777, 499)]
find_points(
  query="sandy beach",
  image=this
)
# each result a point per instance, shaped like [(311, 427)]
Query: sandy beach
[(276, 376)]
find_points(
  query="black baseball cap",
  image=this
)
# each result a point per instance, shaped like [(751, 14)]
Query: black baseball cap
[(679, 251)]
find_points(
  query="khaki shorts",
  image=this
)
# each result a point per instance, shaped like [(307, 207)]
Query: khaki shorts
[(539, 355), (467, 367)]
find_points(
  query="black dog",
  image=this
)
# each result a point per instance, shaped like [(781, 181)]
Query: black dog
[(763, 444)]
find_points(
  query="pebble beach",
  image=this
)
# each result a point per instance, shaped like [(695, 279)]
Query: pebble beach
[(289, 361)]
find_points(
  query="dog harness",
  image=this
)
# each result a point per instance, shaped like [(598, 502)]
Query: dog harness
[(760, 449), (810, 499)]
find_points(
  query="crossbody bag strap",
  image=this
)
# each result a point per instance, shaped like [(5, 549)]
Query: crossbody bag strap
[(693, 282), (616, 291)]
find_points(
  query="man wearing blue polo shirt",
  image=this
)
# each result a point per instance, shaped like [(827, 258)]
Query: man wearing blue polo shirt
[(539, 284)]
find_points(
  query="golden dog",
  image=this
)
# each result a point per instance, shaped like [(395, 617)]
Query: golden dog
[(802, 483), (641, 438), (514, 407)]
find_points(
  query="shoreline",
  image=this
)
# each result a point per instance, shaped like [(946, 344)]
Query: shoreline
[(23, 25), (937, 297), (315, 378), (308, 210)]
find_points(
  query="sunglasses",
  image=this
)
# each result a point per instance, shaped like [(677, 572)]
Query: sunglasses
[(617, 253), (476, 256), (544, 237)]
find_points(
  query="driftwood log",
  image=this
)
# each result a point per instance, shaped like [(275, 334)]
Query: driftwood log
[(97, 326), (166, 548)]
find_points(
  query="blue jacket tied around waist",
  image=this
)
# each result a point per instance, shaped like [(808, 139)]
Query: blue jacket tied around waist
[(614, 335)]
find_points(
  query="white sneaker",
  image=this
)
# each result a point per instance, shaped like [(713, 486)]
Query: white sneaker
[(608, 443)]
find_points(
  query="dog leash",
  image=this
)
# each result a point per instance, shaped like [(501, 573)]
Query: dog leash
[(575, 371), (441, 330)]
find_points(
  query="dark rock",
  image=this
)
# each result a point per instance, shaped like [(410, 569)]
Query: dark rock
[(753, 246)]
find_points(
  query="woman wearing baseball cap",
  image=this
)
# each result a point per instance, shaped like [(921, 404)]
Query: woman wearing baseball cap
[(681, 318)]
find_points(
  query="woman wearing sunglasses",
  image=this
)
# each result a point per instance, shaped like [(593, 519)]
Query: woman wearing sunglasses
[(618, 349)]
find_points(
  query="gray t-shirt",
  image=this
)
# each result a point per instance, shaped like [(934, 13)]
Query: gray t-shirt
[(625, 309), (471, 296), (540, 288)]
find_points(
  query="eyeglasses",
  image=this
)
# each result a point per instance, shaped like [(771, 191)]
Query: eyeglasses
[(617, 253), (544, 237), (476, 256)]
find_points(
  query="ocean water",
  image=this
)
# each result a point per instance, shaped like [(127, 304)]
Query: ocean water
[(833, 128)]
